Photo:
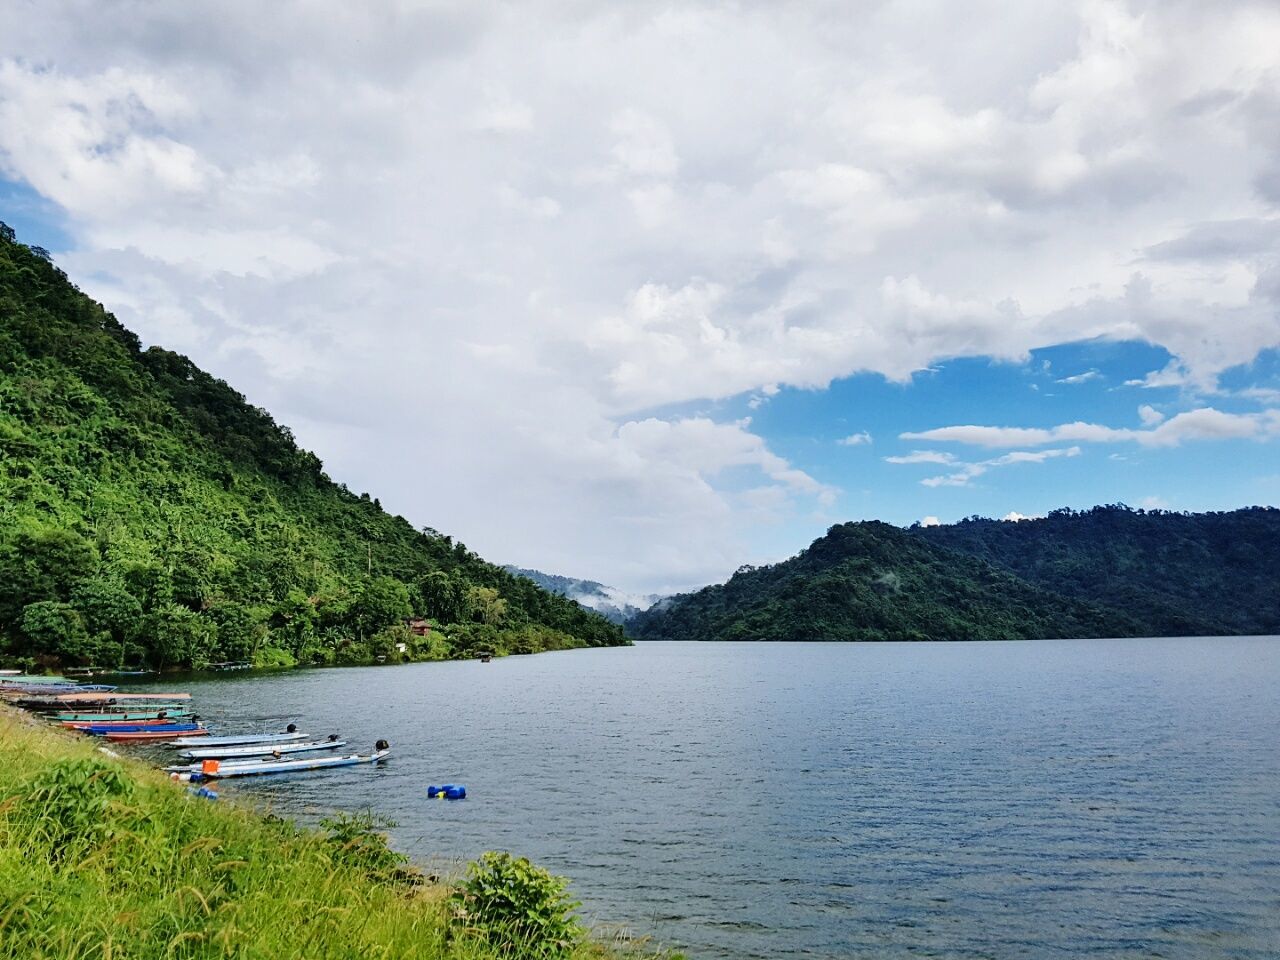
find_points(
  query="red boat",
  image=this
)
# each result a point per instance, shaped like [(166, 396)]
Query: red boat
[(144, 735)]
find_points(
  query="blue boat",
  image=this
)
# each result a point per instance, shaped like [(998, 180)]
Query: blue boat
[(102, 729)]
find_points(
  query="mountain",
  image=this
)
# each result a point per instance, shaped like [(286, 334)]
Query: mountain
[(617, 606), (1108, 572), (150, 514), (1177, 574)]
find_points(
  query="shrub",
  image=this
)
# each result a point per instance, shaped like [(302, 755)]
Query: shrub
[(357, 842), (517, 907)]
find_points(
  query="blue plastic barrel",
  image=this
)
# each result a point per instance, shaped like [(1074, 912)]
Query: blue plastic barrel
[(447, 791)]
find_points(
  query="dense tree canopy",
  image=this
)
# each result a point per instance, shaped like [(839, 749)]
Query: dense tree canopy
[(1108, 572), (151, 515)]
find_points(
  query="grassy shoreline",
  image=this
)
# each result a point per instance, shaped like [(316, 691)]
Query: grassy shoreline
[(139, 867)]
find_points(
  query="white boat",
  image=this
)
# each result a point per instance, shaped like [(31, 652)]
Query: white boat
[(256, 767), (289, 733), (261, 750)]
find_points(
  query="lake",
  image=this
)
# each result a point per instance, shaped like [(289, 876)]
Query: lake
[(1048, 799)]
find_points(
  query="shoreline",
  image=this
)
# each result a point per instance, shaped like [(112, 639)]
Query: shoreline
[(158, 870)]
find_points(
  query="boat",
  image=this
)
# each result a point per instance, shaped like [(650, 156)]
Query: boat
[(87, 693), (262, 749), (10, 673), (289, 733), (155, 733), (172, 727), (171, 713), (214, 770), (52, 690)]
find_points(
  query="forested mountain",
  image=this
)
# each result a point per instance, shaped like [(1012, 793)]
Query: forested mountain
[(616, 606), (873, 581), (1177, 574), (149, 514), (1107, 572)]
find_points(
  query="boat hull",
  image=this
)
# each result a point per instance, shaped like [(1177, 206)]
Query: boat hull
[(169, 714), (117, 736), (260, 750), (290, 766), (142, 726), (245, 739)]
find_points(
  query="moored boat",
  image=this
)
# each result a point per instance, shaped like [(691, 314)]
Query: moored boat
[(290, 733), (168, 713), (215, 770), (262, 749), (85, 693), (155, 733), (171, 727)]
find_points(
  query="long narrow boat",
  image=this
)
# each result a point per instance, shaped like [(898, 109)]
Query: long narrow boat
[(172, 728), (144, 735), (255, 767), (246, 738), (261, 750), (52, 690), (85, 694), (170, 713), (126, 726)]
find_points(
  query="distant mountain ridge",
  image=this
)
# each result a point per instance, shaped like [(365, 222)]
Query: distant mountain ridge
[(1106, 572), (617, 606)]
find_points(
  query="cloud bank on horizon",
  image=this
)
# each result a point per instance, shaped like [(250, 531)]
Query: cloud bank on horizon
[(537, 275)]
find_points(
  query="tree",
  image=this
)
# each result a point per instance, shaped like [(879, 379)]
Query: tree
[(484, 605), (108, 607), (381, 602), (179, 637), (42, 565), (57, 628)]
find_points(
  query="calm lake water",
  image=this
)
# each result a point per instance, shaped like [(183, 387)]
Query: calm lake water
[(1050, 799)]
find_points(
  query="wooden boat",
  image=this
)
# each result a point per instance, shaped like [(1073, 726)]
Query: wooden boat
[(54, 690), (174, 728), (125, 725), (261, 750), (247, 738), (10, 673), (155, 733), (256, 767), (84, 694), (168, 713)]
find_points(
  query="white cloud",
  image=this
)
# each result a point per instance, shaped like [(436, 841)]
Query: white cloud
[(923, 456), (1204, 423), (507, 232), (1082, 377), (930, 522), (968, 472), (855, 439), (1153, 503), (1149, 415), (1013, 516)]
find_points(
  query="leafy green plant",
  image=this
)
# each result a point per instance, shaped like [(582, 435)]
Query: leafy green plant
[(70, 801), (516, 906), (357, 841)]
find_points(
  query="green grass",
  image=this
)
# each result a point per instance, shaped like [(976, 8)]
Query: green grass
[(107, 859)]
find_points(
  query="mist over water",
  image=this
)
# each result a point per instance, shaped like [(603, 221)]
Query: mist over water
[(1048, 799)]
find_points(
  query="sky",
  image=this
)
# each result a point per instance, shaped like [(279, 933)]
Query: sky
[(642, 292)]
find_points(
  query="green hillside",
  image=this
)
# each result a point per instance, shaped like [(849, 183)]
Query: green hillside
[(1176, 574), (873, 581), (150, 515), (1106, 572)]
